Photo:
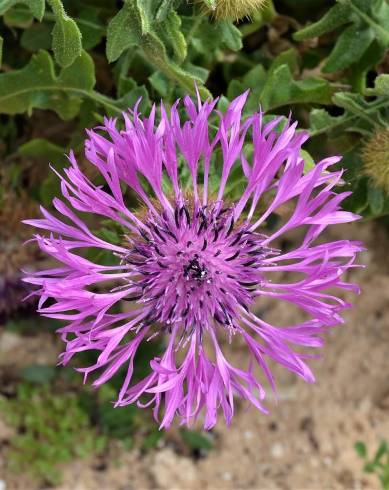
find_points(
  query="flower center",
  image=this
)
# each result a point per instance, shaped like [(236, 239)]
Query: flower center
[(194, 270), (196, 267)]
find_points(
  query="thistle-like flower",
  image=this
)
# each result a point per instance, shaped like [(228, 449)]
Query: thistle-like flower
[(194, 265)]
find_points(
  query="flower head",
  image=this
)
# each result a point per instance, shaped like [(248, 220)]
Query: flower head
[(375, 156), (192, 265), (234, 9)]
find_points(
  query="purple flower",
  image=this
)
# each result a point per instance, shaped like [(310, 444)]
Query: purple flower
[(193, 265)]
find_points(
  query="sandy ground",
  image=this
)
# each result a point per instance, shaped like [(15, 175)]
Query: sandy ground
[(307, 441)]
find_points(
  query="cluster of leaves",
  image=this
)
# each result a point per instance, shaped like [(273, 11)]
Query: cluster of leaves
[(378, 464), (83, 59), (51, 429)]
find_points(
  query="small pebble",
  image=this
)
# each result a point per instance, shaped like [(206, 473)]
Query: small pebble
[(248, 435), (227, 476), (277, 451)]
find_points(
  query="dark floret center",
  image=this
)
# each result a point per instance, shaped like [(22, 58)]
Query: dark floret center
[(194, 270), (196, 267)]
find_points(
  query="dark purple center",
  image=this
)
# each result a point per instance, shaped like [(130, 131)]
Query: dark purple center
[(196, 268)]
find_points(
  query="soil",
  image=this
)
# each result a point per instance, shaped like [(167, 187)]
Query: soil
[(307, 442)]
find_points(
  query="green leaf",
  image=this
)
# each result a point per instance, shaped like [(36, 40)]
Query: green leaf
[(281, 89), (39, 374), (376, 198), (230, 35), (37, 86), (92, 29), (163, 44), (309, 162), (40, 147), (67, 44), (151, 440), (363, 10), (196, 440), (169, 31), (155, 52), (290, 57), (360, 448), (18, 17), (49, 189), (1, 50), (369, 467), (124, 31), (37, 37), (360, 115), (164, 9), (37, 7), (381, 451), (130, 93), (349, 48), (355, 104), (381, 86), (338, 15), (160, 83)]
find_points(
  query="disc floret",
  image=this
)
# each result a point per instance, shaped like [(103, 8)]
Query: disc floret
[(196, 267)]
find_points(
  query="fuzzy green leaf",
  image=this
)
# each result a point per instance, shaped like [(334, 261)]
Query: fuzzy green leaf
[(37, 37), (164, 9), (67, 44), (290, 57), (18, 17), (169, 31), (42, 148), (37, 86), (92, 29), (155, 51), (281, 89), (338, 15), (230, 35), (37, 7), (381, 86), (124, 31), (349, 48)]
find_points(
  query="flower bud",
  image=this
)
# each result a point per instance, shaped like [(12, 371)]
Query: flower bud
[(233, 9), (375, 156)]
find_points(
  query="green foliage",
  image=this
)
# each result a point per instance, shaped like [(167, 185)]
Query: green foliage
[(52, 429), (378, 464), (124, 31), (366, 23), (38, 86), (37, 7), (66, 36), (196, 440), (162, 48)]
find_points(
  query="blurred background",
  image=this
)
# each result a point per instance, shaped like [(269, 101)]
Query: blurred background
[(66, 64)]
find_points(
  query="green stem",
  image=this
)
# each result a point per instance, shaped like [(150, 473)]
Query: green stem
[(348, 120)]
